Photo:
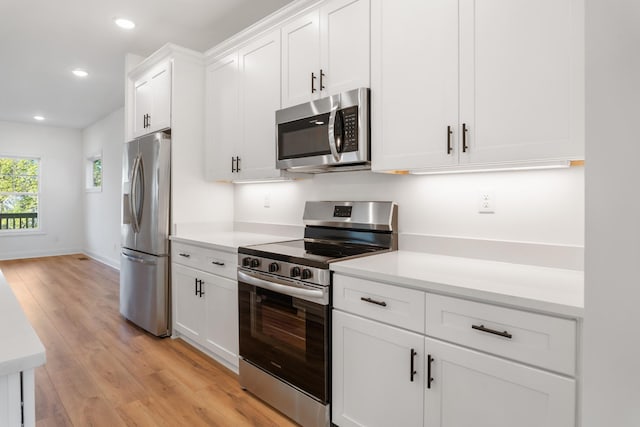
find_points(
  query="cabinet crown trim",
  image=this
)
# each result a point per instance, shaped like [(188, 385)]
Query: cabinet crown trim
[(268, 23), (167, 51)]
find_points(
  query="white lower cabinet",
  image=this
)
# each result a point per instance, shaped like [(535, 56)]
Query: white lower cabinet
[(386, 375), (205, 305), (473, 389), (17, 399), (372, 381)]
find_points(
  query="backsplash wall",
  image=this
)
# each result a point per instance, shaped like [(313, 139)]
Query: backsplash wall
[(538, 206)]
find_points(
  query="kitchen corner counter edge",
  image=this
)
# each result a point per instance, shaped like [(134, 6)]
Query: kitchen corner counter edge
[(22, 349), (547, 290)]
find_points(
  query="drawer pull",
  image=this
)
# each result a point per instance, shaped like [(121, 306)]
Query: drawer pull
[(185, 255), (429, 378), (221, 264), (482, 328), (413, 370), (372, 301)]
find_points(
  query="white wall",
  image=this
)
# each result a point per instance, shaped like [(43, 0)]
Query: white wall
[(102, 209), (612, 293), (542, 206), (61, 182)]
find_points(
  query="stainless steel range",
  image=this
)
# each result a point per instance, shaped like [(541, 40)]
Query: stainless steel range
[(285, 304)]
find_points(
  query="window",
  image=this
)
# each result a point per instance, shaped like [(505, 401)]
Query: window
[(94, 173), (19, 193)]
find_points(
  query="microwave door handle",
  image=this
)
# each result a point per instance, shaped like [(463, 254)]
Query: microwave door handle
[(333, 143)]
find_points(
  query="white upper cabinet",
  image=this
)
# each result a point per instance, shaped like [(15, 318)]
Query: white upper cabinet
[(326, 51), (522, 79), (222, 136), (476, 83), (243, 94), (259, 100), (414, 83), (152, 101)]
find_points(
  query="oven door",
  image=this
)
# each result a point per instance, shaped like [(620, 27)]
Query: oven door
[(285, 333)]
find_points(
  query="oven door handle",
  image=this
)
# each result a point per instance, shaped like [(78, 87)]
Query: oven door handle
[(279, 286)]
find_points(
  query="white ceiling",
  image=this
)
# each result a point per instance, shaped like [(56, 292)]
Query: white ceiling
[(41, 41)]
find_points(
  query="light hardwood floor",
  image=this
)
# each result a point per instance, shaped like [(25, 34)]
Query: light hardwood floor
[(103, 371)]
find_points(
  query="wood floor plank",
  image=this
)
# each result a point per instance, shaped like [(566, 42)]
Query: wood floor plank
[(102, 370)]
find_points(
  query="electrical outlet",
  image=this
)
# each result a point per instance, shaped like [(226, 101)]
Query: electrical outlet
[(487, 202)]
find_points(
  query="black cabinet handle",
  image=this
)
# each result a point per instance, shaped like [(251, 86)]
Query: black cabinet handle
[(322, 75), (148, 120), (313, 83), (465, 147), (196, 285), (221, 264), (429, 379), (237, 164), (233, 164), (449, 133), (482, 328), (199, 291), (372, 301), (413, 358), (185, 255)]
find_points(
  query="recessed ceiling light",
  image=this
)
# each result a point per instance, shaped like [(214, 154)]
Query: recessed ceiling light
[(80, 73), (125, 23), (38, 118)]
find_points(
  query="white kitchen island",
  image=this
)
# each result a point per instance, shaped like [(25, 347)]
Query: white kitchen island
[(21, 351)]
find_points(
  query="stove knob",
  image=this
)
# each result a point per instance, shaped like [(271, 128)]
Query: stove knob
[(274, 267), (295, 271), (246, 262), (306, 274), (255, 263)]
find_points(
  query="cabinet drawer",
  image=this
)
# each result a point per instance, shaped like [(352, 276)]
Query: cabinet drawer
[(209, 260), (385, 303), (539, 340)]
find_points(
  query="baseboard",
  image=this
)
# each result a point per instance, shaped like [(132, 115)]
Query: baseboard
[(106, 261), (38, 254)]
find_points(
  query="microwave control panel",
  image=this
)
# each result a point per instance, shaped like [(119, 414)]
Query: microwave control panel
[(349, 129)]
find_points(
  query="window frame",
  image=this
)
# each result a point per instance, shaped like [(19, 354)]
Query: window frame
[(26, 231), (89, 181)]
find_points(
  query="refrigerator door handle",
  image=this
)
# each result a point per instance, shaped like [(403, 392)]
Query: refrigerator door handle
[(137, 175), (139, 260)]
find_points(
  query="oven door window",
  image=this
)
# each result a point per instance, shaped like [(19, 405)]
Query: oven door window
[(285, 336), (304, 138)]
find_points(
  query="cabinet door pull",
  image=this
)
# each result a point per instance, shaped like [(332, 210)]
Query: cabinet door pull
[(237, 164), (372, 301), (148, 120), (429, 379), (233, 164), (465, 147), (413, 358), (144, 121), (313, 83), (196, 285), (322, 76), (449, 133), (221, 264), (185, 255), (482, 328)]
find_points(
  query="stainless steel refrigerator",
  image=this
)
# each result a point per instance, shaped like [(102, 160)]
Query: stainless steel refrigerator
[(144, 263)]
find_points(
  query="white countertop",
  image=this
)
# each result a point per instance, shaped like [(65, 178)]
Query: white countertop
[(228, 241), (20, 347), (550, 290)]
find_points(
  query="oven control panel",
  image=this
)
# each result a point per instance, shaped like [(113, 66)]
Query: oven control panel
[(313, 275)]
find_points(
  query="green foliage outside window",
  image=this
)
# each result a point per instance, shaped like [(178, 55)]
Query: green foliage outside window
[(97, 172), (19, 192)]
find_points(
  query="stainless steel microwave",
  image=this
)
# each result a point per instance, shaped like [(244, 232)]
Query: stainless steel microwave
[(325, 135)]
